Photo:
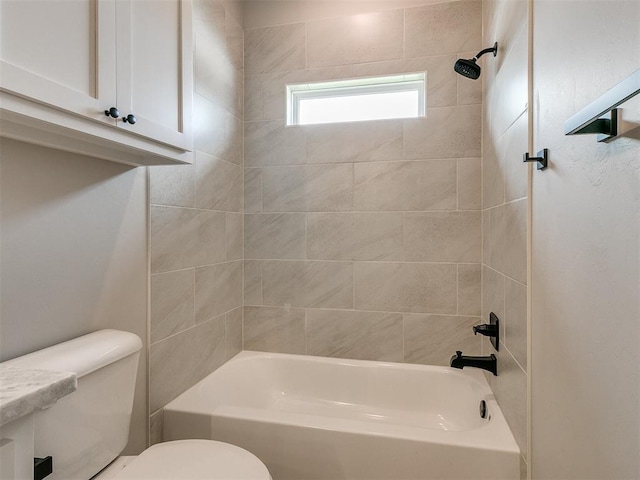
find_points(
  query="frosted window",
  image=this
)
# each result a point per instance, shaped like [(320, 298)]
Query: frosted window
[(356, 100)]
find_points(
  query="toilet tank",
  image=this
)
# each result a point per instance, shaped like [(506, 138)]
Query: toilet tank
[(86, 430)]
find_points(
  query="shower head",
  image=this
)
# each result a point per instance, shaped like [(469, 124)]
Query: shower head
[(470, 68), (467, 68)]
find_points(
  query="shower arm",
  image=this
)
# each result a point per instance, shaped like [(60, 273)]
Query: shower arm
[(493, 49)]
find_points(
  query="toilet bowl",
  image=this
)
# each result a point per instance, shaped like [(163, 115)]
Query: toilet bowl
[(190, 460), (87, 430)]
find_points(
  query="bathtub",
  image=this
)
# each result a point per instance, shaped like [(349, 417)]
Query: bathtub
[(330, 419)]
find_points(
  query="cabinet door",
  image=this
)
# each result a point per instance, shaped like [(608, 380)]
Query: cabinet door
[(154, 43), (60, 53)]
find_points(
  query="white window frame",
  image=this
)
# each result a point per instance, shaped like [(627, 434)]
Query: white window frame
[(410, 82)]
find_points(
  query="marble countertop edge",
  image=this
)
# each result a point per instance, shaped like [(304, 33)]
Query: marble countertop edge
[(25, 390)]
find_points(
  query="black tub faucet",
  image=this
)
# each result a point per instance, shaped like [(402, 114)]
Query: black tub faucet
[(486, 330), (491, 330), (489, 363)]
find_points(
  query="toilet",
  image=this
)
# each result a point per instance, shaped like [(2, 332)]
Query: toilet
[(86, 431)]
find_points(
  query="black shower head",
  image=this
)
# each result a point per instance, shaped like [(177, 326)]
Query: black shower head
[(467, 68), (470, 68)]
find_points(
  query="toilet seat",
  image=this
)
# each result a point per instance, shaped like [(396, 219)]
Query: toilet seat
[(194, 460)]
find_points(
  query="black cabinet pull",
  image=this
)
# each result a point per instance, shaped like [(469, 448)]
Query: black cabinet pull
[(129, 119), (112, 112)]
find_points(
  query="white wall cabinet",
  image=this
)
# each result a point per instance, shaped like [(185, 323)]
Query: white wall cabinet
[(64, 63)]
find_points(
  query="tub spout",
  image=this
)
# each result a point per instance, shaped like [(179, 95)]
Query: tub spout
[(489, 363)]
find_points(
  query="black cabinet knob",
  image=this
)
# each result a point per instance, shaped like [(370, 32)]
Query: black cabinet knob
[(129, 119), (112, 112)]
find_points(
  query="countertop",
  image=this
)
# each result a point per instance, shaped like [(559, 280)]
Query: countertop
[(24, 390)]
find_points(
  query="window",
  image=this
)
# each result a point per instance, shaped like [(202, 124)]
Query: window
[(376, 98)]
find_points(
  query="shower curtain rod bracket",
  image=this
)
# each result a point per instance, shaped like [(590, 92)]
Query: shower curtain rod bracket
[(542, 159)]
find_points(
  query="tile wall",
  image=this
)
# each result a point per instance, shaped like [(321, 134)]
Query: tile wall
[(196, 224), (363, 240), (505, 124)]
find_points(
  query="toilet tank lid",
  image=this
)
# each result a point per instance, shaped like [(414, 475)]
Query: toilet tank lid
[(82, 355)]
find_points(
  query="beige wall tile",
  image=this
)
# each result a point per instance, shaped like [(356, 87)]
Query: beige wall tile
[(172, 297), (427, 185), (218, 184), (492, 295), (179, 362), (506, 18), (233, 333), (215, 76), (355, 39), (156, 421), (182, 238), (510, 388), (469, 184), (209, 124), (513, 260), (272, 143), (443, 237), (504, 180), (487, 247), (515, 318), (307, 188), (359, 335), (307, 284), (354, 236), (216, 131), (510, 89), (470, 289), (275, 236), (443, 28), (492, 179), (208, 29), (234, 35), (254, 98), (355, 142), (270, 329), (252, 190), (273, 49), (233, 148), (494, 225), (218, 290), (444, 133), (434, 339), (469, 91), (172, 185), (183, 352), (441, 79), (234, 236), (524, 468), (405, 287), (511, 146), (252, 282)]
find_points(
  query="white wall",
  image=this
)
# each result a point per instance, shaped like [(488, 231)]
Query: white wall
[(73, 253), (586, 249)]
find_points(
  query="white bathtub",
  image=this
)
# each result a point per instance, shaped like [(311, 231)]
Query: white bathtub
[(324, 418)]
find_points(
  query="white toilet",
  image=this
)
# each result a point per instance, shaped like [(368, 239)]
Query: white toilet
[(85, 431)]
